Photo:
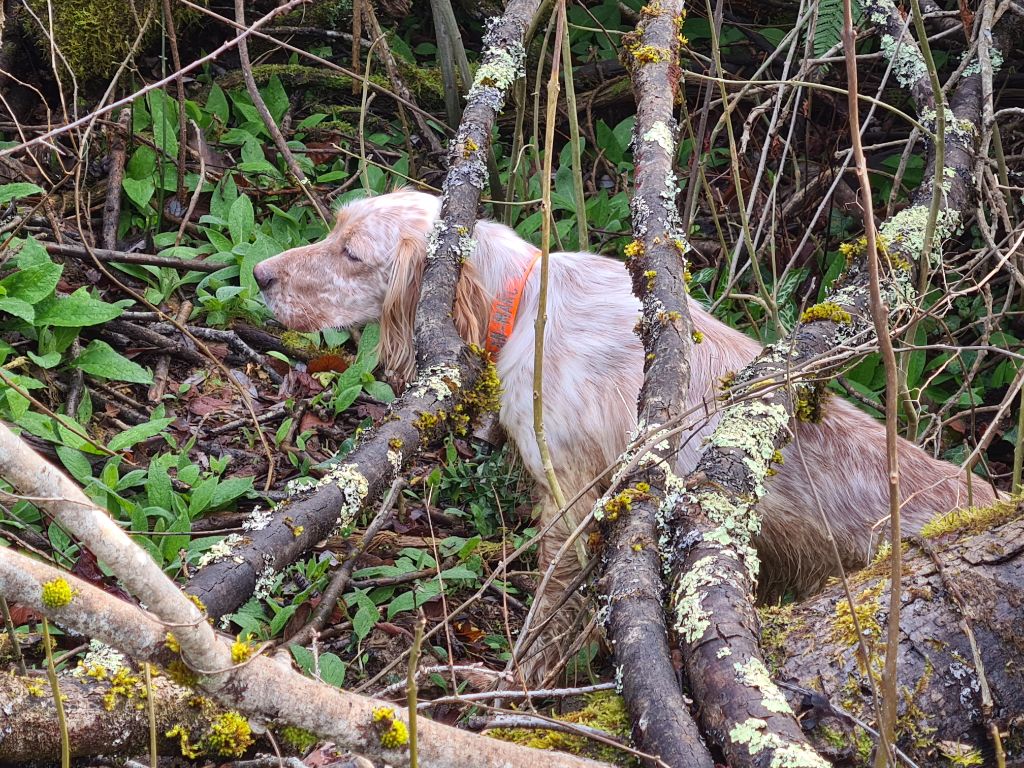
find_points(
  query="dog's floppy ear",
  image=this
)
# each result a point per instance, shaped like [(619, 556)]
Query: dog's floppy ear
[(472, 306), (398, 314)]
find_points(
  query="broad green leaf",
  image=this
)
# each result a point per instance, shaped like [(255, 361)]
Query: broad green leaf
[(142, 164), (32, 284), (137, 434), (201, 496), (75, 311), (20, 309), (332, 669), (303, 657), (139, 191), (44, 361), (76, 463), (100, 359), (379, 390), (241, 220), (275, 98), (171, 544), (407, 601), (18, 189), (217, 104), (165, 122), (230, 489)]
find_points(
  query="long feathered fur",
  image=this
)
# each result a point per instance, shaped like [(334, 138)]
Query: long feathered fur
[(370, 268)]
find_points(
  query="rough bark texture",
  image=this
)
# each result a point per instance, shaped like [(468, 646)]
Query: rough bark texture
[(237, 677), (31, 734), (449, 371), (631, 584), (941, 711), (712, 527)]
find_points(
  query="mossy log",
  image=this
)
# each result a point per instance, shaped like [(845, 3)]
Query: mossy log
[(963, 579), (100, 719), (322, 86)]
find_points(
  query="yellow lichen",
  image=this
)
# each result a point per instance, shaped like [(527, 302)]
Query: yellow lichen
[(392, 731), (57, 593), (125, 685), (241, 650), (698, 337), (230, 736), (827, 310), (172, 643), (633, 249), (624, 500)]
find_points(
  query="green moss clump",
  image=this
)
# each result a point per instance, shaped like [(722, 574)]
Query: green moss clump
[(972, 520), (297, 738), (605, 710), (96, 36)]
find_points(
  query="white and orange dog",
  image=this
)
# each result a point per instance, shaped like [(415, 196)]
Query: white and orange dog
[(369, 268)]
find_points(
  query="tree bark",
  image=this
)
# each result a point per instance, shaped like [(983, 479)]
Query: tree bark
[(631, 585), (962, 609), (741, 709)]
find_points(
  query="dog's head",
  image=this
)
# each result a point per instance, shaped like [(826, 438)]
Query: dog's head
[(368, 268)]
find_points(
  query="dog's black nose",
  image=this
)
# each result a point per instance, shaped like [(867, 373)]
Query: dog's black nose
[(264, 277)]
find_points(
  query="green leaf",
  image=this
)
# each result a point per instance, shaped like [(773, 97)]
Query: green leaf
[(139, 191), (407, 601), (366, 617), (217, 104), (201, 496), (76, 463), (332, 669), (137, 434), (171, 544), (241, 220), (32, 284), (303, 657), (379, 390), (229, 490), (100, 359), (18, 308), (142, 164), (44, 361), (165, 122), (275, 98), (18, 189), (75, 311)]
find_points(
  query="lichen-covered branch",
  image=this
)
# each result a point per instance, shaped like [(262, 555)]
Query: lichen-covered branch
[(712, 579), (454, 381), (631, 587), (232, 673)]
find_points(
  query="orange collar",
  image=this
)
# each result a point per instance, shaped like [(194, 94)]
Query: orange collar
[(504, 309)]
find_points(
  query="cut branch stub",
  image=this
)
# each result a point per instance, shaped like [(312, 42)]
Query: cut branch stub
[(712, 579), (631, 584), (451, 375)]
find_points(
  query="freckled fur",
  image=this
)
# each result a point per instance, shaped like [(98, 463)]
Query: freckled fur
[(593, 373)]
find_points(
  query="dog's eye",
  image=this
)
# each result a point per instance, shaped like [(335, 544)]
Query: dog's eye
[(349, 256)]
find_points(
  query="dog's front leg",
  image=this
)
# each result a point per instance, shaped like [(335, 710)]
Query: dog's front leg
[(559, 607)]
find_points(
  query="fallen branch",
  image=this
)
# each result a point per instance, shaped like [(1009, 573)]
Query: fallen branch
[(450, 374), (631, 583), (715, 516), (233, 674)]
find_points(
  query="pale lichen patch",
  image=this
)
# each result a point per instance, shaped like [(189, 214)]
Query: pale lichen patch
[(223, 548), (753, 733), (354, 489), (441, 380), (754, 674)]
